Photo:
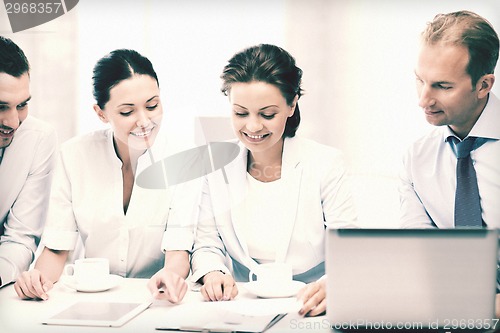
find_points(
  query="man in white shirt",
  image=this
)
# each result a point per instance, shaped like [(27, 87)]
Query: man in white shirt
[(27, 153), (454, 77)]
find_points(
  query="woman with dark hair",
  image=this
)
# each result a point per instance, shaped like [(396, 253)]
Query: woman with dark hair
[(278, 194), (95, 196)]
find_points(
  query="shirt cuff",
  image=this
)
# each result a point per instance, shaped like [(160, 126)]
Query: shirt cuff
[(15, 258), (177, 238), (203, 262), (201, 272), (59, 239), (7, 272)]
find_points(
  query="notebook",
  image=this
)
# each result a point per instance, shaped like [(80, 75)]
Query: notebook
[(426, 278)]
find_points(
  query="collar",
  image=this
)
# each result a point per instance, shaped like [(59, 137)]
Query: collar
[(486, 125)]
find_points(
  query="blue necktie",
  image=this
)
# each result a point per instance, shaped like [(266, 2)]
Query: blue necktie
[(467, 204)]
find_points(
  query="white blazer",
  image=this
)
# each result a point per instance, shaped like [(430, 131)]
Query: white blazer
[(318, 195)]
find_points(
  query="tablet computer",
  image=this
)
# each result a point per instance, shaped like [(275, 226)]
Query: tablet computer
[(113, 314)]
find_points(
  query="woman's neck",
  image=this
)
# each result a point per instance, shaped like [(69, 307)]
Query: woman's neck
[(129, 158), (266, 165)]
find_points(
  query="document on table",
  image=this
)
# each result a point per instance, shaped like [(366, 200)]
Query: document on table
[(248, 315)]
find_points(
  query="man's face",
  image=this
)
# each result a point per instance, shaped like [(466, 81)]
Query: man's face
[(14, 97), (445, 90)]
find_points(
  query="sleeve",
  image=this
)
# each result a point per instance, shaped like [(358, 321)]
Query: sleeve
[(182, 217), (27, 216), (412, 211), (61, 232), (209, 252), (336, 198)]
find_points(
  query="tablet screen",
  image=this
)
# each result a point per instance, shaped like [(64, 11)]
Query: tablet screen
[(97, 314)]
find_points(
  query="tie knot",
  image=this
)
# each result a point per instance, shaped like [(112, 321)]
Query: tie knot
[(464, 148)]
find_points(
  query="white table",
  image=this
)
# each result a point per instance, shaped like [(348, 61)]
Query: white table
[(17, 315)]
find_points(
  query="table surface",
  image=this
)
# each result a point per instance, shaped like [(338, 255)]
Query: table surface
[(18, 315)]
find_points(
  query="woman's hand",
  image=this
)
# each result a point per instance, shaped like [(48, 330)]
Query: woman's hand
[(33, 285), (167, 285), (218, 286), (313, 297)]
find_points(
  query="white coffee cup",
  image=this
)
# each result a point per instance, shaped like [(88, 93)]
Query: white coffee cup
[(272, 274), (88, 271)]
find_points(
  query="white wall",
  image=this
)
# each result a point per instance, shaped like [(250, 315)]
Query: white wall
[(188, 42)]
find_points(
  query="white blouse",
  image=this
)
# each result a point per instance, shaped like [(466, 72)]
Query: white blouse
[(87, 201), (262, 213)]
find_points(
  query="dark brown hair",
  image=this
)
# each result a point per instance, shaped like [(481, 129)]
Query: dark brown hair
[(115, 67), (270, 64)]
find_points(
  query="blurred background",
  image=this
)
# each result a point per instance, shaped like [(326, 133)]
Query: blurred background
[(358, 59)]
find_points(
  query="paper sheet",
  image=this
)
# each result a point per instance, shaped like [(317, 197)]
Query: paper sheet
[(239, 315)]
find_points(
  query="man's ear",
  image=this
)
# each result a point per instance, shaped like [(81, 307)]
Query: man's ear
[(484, 85), (100, 113)]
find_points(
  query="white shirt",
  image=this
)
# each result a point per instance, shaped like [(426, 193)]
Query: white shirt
[(262, 245), (87, 201), (25, 178), (428, 180)]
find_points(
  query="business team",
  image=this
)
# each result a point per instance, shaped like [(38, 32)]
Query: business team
[(274, 200)]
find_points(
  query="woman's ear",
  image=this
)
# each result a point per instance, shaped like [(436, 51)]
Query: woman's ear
[(293, 105), (100, 113), (484, 85)]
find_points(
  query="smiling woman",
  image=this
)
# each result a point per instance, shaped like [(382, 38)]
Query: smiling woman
[(115, 218), (128, 98), (280, 192)]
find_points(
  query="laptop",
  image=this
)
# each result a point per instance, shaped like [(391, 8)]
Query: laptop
[(425, 278)]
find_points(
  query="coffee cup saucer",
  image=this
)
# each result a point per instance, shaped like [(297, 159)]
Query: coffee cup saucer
[(102, 285), (262, 290)]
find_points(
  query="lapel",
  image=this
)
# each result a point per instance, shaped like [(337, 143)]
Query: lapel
[(292, 174), (237, 189)]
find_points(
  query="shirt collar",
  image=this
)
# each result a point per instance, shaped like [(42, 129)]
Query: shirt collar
[(486, 125)]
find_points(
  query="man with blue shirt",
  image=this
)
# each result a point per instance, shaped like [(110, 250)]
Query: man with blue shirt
[(451, 176), (27, 153)]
